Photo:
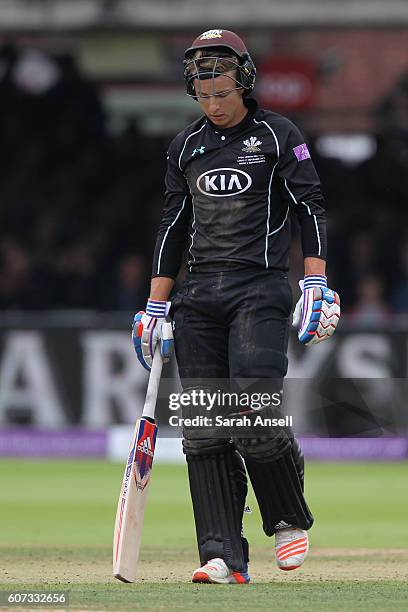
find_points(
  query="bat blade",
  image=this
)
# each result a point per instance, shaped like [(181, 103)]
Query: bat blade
[(132, 500)]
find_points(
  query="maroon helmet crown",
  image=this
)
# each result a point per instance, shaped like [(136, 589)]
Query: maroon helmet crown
[(219, 38)]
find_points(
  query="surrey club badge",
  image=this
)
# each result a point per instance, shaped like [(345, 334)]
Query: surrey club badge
[(252, 145)]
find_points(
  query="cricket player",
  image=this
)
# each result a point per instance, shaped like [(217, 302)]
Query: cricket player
[(233, 177)]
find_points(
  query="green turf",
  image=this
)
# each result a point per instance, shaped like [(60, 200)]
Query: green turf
[(356, 505), (309, 597), (56, 521)]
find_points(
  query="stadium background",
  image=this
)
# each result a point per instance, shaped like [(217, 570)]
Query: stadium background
[(91, 93)]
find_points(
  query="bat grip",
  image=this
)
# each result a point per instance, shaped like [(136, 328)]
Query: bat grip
[(153, 386)]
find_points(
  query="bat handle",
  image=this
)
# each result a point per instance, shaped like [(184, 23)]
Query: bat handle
[(153, 386)]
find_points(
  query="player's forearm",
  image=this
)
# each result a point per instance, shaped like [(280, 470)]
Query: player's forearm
[(315, 265), (161, 287)]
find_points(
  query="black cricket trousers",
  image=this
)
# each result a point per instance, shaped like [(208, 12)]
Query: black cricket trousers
[(232, 324)]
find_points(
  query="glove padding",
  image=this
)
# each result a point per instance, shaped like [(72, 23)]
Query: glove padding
[(316, 314), (148, 329)]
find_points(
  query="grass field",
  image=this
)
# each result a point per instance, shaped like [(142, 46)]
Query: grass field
[(56, 532)]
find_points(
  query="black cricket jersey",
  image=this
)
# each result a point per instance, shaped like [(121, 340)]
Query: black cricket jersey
[(229, 193)]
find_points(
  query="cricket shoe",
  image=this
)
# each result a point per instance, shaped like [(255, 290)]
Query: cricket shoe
[(216, 571), (291, 546)]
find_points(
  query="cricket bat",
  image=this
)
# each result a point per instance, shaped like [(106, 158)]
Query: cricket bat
[(135, 484)]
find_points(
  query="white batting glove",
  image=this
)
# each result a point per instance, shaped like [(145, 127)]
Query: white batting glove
[(317, 312), (151, 327)]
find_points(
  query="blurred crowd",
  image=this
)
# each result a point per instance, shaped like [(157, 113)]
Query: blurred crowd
[(368, 218), (79, 206)]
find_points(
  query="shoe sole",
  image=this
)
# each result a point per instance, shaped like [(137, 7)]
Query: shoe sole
[(203, 578)]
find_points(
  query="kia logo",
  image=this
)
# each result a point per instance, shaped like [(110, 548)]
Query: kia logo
[(223, 182)]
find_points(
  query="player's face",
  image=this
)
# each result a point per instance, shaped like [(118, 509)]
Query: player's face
[(220, 101)]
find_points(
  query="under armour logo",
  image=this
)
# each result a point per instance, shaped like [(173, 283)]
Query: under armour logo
[(199, 151)]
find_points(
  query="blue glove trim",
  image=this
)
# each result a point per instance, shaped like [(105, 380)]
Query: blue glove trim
[(137, 342), (305, 337), (328, 295), (167, 348)]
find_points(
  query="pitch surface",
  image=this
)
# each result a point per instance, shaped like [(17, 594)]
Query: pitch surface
[(56, 522)]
